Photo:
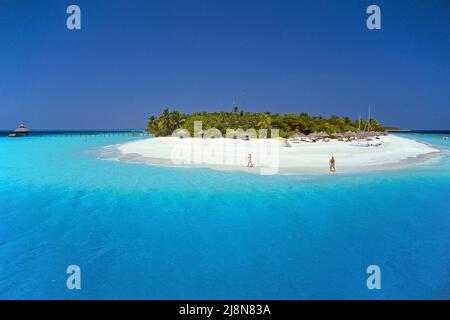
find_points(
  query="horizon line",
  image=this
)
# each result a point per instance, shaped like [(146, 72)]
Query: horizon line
[(143, 129)]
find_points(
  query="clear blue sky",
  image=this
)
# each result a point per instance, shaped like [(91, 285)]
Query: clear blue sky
[(132, 58)]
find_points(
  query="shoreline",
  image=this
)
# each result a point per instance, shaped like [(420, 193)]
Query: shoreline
[(270, 156)]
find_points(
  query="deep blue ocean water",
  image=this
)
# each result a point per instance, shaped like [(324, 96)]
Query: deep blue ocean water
[(148, 232)]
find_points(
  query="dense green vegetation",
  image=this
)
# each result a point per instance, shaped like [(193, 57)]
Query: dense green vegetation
[(288, 124)]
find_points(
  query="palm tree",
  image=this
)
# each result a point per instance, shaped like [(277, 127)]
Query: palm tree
[(177, 120), (164, 123), (152, 125), (265, 121)]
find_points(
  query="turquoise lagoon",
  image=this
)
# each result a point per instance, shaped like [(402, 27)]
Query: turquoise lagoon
[(148, 232)]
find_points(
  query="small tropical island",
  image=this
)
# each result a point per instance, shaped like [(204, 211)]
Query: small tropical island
[(267, 143)]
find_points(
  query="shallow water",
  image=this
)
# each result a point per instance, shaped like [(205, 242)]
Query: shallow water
[(151, 232)]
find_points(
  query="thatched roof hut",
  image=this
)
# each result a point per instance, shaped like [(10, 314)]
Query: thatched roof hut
[(322, 134), (349, 134), (21, 129)]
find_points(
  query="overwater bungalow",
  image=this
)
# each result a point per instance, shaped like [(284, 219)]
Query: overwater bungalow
[(20, 131)]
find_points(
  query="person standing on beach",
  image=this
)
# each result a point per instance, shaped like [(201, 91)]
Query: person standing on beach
[(332, 164), (250, 163)]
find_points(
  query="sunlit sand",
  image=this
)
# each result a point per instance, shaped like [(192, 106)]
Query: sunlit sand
[(270, 156)]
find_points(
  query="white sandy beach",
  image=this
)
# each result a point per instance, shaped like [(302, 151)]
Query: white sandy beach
[(269, 156)]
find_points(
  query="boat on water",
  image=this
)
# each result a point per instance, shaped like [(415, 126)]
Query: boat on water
[(20, 131), (366, 136)]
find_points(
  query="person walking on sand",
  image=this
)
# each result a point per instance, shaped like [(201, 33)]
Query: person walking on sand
[(250, 163), (332, 164)]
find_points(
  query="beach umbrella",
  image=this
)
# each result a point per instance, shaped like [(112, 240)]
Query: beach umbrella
[(349, 134), (298, 135), (322, 134), (361, 135), (376, 134)]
